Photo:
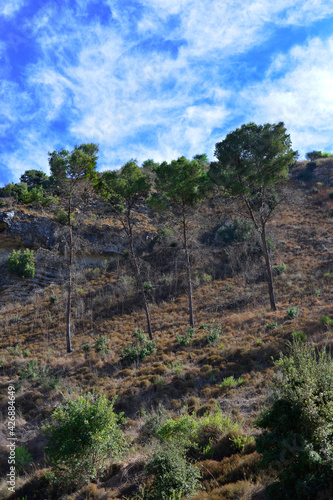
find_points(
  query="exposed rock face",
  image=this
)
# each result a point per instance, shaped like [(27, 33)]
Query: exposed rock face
[(27, 230)]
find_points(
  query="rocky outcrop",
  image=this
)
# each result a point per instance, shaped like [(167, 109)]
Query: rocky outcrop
[(27, 230)]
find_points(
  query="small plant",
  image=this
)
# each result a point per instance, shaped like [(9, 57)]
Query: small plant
[(22, 458), (186, 338), (231, 382), (81, 434), (279, 269), (101, 345), (22, 263), (326, 321), (239, 442), (53, 299), (13, 351), (292, 312), (299, 336), (139, 350), (86, 347), (213, 334), (147, 286), (271, 326)]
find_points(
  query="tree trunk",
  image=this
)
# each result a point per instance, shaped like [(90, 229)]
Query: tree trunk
[(268, 268), (188, 271), (69, 290), (139, 280)]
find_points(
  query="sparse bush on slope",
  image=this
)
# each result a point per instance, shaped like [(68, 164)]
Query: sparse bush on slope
[(297, 438)]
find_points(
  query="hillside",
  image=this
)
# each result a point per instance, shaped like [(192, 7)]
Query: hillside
[(225, 370)]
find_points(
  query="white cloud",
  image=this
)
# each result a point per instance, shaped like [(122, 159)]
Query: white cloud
[(302, 97), (10, 7)]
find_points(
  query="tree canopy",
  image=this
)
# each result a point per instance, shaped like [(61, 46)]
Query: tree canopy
[(251, 157)]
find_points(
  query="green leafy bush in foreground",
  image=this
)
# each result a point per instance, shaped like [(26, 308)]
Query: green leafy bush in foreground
[(22, 263), (297, 438), (82, 433)]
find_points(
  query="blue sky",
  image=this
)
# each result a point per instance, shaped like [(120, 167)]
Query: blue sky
[(159, 78)]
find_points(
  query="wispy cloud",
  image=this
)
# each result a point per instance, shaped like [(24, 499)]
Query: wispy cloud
[(10, 7), (159, 78), (301, 95)]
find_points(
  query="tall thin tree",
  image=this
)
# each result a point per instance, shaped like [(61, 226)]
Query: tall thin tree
[(68, 169), (124, 190), (251, 161), (181, 184)]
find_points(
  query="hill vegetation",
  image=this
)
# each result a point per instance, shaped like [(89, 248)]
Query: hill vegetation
[(219, 395)]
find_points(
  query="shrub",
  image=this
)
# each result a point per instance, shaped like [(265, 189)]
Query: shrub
[(238, 230), (22, 263), (326, 321), (140, 350), (314, 155), (22, 458), (279, 269), (231, 382), (213, 334), (186, 337), (81, 434), (173, 474), (292, 312), (297, 438), (299, 336)]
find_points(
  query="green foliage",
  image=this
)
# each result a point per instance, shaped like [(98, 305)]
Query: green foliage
[(125, 188), (182, 428), (299, 336), (326, 321), (33, 177), (81, 434), (68, 168), (292, 312), (62, 217), (34, 372), (173, 474), (231, 382), (279, 269), (181, 182), (236, 231), (314, 155), (22, 263), (22, 458), (252, 157), (186, 338), (140, 350), (297, 438), (212, 335), (101, 344)]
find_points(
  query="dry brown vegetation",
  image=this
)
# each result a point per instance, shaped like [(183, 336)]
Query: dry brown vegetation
[(230, 291)]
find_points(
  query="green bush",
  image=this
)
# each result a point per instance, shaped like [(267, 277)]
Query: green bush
[(140, 350), (314, 155), (326, 321), (22, 458), (238, 230), (81, 434), (279, 269), (297, 438), (186, 338), (22, 263), (231, 382), (292, 312), (213, 335), (173, 474)]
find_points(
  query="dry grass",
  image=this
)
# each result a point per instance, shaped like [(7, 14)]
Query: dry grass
[(175, 376)]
